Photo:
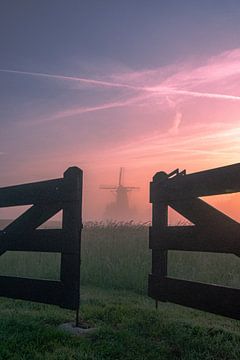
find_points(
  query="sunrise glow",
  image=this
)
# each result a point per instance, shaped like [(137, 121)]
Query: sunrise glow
[(101, 113)]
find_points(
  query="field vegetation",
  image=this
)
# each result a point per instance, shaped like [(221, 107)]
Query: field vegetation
[(115, 255), (115, 264)]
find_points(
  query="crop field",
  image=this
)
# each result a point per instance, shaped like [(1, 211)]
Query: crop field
[(115, 264)]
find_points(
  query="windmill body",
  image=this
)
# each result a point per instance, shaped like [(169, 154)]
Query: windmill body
[(119, 209)]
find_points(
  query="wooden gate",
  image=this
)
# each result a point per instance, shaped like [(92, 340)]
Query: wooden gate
[(212, 231), (47, 198)]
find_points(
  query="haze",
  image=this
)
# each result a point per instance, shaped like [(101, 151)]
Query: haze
[(144, 85)]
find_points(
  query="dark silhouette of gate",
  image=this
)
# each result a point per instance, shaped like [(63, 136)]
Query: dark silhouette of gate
[(47, 198), (213, 232)]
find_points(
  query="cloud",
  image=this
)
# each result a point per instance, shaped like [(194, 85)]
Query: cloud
[(215, 69), (216, 144), (82, 110), (189, 73), (168, 80), (166, 86), (176, 123)]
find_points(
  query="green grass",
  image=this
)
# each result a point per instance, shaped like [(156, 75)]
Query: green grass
[(115, 264), (128, 327)]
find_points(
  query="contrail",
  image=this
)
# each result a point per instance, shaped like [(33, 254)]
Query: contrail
[(171, 91), (207, 95), (157, 90), (72, 78)]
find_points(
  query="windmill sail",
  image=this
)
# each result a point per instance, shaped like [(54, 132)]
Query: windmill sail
[(120, 208)]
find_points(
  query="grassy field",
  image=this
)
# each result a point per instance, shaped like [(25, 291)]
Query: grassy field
[(115, 264), (116, 256), (127, 328)]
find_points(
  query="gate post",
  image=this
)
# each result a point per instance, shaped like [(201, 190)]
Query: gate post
[(159, 224), (72, 225)]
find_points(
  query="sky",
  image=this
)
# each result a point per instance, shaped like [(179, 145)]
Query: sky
[(146, 85)]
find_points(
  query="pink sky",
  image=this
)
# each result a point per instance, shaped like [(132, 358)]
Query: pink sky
[(184, 115)]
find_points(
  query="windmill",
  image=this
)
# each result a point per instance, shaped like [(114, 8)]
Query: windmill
[(120, 208)]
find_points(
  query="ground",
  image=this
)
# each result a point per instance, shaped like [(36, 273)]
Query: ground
[(128, 327)]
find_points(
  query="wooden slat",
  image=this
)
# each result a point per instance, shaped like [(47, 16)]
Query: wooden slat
[(50, 240), (194, 238), (32, 218), (223, 180), (32, 193), (202, 214), (213, 298), (44, 291)]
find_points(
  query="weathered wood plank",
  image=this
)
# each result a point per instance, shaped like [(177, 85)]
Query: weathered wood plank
[(32, 218), (202, 214), (32, 193), (44, 291), (50, 240), (223, 180), (196, 238), (213, 298)]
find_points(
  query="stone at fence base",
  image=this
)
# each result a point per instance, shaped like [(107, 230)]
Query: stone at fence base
[(71, 328)]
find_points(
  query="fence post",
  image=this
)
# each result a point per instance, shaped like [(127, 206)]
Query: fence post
[(159, 224), (72, 225)]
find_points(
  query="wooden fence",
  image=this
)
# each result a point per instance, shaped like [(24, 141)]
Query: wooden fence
[(212, 231), (47, 198)]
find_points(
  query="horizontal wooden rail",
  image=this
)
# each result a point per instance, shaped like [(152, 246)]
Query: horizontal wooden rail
[(224, 180), (33, 193), (50, 240), (44, 291), (193, 238), (213, 298)]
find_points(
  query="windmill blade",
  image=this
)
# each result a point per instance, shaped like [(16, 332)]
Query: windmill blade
[(131, 187), (108, 187)]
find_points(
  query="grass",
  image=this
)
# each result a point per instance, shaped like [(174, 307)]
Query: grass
[(115, 264), (116, 256), (128, 327)]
